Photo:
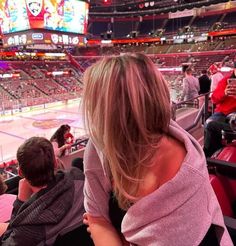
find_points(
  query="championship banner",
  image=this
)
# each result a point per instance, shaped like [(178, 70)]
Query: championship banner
[(180, 14)]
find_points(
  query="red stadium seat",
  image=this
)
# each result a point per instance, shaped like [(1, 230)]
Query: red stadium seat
[(221, 195)]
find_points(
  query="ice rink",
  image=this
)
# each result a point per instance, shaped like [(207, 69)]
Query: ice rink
[(15, 129)]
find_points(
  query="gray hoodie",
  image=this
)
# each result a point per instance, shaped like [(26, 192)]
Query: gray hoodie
[(54, 210), (179, 212), (191, 88)]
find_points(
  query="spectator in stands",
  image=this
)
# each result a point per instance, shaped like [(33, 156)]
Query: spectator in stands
[(204, 83), (127, 111), (216, 76), (48, 204), (190, 86), (59, 140), (225, 103)]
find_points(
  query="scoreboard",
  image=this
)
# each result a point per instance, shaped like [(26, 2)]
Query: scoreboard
[(57, 15)]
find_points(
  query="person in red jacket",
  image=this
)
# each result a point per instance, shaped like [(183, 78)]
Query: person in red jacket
[(224, 97)]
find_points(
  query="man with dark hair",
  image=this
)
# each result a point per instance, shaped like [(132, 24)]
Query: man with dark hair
[(204, 83), (48, 204), (36, 161)]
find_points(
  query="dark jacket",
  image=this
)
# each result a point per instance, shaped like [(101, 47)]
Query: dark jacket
[(204, 83), (50, 212)]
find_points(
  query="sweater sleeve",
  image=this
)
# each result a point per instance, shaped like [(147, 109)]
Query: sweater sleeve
[(219, 93), (197, 84), (57, 150), (97, 186), (23, 235)]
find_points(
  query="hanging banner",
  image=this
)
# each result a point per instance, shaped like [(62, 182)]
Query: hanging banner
[(181, 14)]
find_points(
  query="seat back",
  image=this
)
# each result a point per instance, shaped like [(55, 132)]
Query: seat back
[(228, 153), (222, 196), (78, 236), (12, 185)]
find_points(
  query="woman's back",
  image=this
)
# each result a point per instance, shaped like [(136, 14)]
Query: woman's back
[(155, 169), (166, 163), (193, 87)]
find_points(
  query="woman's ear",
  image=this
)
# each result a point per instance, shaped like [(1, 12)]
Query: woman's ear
[(20, 173)]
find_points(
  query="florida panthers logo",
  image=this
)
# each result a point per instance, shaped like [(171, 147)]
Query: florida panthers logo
[(34, 6)]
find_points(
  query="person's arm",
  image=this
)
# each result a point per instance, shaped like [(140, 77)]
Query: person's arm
[(3, 228), (185, 89), (219, 93), (24, 193), (97, 190), (197, 85), (213, 82), (99, 226), (58, 150)]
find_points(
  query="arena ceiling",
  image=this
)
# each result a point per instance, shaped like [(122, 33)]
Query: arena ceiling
[(140, 7), (125, 2)]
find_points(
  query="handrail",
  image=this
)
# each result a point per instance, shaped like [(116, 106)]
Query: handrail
[(197, 119), (203, 111), (222, 167), (191, 99)]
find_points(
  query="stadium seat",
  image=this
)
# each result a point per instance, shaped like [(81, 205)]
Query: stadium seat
[(223, 181), (12, 185), (78, 236), (221, 195)]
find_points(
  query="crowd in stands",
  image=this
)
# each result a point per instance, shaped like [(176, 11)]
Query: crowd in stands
[(34, 85), (38, 85)]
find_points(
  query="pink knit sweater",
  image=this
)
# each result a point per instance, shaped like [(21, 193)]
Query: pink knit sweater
[(179, 212)]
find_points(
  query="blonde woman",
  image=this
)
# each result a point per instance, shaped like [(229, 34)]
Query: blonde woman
[(156, 170)]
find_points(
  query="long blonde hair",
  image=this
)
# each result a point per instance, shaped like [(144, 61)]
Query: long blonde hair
[(126, 106)]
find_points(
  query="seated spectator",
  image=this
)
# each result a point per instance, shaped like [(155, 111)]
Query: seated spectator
[(204, 82), (225, 103), (167, 197), (48, 204), (59, 139)]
